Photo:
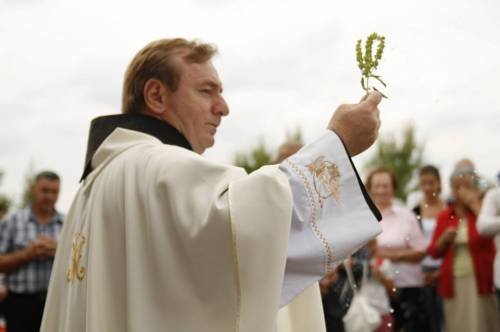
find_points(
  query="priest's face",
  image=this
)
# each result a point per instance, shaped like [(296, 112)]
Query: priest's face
[(197, 106)]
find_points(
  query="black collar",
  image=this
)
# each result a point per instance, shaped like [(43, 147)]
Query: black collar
[(103, 126)]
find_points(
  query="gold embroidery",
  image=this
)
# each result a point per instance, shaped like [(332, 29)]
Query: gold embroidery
[(75, 270), (327, 249), (326, 179)]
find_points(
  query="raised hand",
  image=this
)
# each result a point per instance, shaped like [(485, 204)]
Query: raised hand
[(357, 124)]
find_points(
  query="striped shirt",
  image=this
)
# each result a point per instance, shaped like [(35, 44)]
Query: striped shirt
[(16, 232)]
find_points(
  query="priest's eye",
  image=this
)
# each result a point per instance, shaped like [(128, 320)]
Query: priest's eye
[(206, 91)]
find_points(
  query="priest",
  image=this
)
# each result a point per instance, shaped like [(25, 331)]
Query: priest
[(160, 239)]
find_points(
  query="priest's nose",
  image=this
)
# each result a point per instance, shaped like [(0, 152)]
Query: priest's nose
[(220, 107)]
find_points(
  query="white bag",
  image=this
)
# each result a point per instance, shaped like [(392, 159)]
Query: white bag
[(361, 315)]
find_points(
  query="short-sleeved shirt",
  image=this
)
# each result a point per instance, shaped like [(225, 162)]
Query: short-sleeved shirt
[(488, 223), (400, 230), (16, 232)]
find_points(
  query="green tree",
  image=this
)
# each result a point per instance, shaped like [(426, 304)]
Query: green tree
[(29, 177), (403, 157), (261, 155), (5, 201), (255, 159)]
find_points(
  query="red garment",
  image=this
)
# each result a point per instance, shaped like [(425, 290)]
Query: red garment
[(481, 249), (387, 324)]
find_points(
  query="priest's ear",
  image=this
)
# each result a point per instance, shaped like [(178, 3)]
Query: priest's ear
[(156, 96)]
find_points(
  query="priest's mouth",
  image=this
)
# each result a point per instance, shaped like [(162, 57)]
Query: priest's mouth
[(213, 128)]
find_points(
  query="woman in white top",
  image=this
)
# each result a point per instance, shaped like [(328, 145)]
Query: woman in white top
[(427, 211), (488, 223)]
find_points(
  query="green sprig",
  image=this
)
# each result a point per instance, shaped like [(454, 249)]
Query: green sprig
[(367, 63)]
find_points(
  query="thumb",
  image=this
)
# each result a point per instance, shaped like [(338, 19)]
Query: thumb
[(373, 98)]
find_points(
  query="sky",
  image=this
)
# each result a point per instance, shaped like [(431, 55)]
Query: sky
[(284, 65)]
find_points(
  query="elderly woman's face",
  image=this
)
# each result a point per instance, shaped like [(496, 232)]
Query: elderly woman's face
[(465, 181), (381, 189)]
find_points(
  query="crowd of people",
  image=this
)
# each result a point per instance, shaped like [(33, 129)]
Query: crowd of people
[(432, 268), (434, 260)]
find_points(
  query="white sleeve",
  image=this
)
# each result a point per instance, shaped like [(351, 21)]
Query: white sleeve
[(333, 215), (488, 222)]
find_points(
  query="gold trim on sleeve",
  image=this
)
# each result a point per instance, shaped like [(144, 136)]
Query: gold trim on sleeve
[(76, 254), (327, 249)]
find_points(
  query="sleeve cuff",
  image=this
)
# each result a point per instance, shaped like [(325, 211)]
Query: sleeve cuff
[(333, 216)]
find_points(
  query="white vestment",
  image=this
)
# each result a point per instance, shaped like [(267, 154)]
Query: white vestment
[(160, 239)]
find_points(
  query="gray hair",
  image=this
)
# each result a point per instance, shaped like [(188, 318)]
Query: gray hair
[(464, 171)]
